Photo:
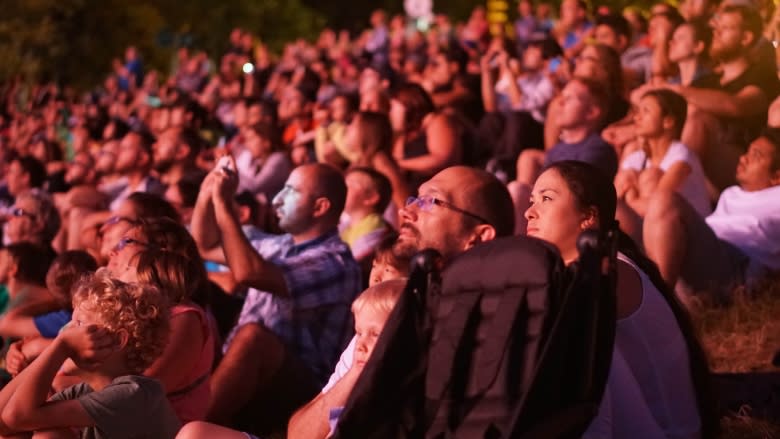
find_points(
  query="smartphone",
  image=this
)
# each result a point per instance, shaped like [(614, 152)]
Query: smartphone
[(153, 101)]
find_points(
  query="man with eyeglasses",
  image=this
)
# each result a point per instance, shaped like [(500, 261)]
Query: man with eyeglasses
[(455, 210)]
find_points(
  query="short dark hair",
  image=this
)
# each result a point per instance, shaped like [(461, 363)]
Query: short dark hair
[(329, 183), (751, 19), (34, 168), (189, 187), (617, 23), (488, 198), (192, 139), (32, 262), (381, 185), (246, 199)]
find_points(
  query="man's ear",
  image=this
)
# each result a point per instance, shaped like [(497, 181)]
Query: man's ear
[(748, 41), (481, 233), (774, 178), (321, 207)]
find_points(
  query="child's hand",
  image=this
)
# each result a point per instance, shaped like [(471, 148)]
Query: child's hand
[(15, 361), (89, 345)]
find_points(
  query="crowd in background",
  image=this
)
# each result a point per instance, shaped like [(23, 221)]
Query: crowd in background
[(260, 192)]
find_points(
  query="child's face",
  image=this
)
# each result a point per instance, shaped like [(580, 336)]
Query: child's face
[(369, 322), (382, 271)]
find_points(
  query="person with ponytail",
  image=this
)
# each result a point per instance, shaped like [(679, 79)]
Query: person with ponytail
[(658, 384)]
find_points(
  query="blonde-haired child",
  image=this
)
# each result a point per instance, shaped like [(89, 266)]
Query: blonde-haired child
[(371, 310), (116, 332)]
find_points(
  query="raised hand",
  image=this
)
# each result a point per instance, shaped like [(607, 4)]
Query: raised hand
[(88, 345)]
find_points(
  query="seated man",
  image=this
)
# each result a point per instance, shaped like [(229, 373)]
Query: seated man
[(455, 210), (721, 123), (584, 105), (734, 245), (295, 319)]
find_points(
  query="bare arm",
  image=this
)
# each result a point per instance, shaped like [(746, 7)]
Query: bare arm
[(443, 146), (311, 421), (27, 409), (488, 86), (247, 266), (750, 101), (182, 351), (384, 164), (204, 224)]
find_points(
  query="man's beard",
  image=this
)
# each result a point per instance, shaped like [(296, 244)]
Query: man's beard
[(405, 249), (725, 53)]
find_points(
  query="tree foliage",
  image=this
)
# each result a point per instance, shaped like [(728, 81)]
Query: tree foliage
[(74, 41)]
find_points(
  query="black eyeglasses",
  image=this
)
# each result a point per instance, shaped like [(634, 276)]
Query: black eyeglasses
[(19, 212), (426, 202)]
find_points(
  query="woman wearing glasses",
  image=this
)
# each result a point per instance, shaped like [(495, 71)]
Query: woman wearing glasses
[(161, 252), (657, 383)]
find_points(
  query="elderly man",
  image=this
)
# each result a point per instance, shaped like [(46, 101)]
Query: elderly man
[(296, 318)]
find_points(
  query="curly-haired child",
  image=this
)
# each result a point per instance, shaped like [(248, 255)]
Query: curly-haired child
[(116, 332)]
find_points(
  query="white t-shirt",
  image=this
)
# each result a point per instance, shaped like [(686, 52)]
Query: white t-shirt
[(751, 222), (343, 366), (693, 189)]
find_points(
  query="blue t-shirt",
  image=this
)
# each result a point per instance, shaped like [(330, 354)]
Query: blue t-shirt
[(593, 150), (49, 324)]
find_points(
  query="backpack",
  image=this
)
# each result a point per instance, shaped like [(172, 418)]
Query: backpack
[(506, 342)]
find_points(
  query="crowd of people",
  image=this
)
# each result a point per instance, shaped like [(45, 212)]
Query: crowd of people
[(213, 251)]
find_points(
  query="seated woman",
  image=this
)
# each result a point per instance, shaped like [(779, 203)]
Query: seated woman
[(426, 142), (371, 310), (655, 346), (162, 253), (662, 164)]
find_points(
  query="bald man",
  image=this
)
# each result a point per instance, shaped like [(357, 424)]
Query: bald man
[(296, 317), (455, 210)]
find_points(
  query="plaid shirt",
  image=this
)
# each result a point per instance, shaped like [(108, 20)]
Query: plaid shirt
[(322, 280)]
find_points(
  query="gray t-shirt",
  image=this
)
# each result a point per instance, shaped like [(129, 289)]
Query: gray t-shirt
[(131, 407)]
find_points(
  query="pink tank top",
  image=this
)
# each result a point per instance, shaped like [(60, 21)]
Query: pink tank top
[(191, 396)]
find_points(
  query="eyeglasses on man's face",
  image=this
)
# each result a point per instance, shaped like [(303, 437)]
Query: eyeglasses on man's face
[(426, 202)]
